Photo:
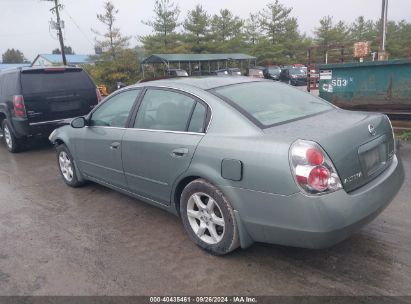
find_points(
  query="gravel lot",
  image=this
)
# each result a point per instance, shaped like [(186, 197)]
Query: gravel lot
[(55, 240)]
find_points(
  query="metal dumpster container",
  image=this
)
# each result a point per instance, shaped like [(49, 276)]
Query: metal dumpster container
[(382, 86)]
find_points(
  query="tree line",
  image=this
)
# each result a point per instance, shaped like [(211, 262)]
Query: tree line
[(272, 35)]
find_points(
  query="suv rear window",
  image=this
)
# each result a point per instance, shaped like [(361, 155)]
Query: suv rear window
[(52, 81), (268, 103)]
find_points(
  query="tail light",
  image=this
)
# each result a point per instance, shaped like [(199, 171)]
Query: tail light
[(99, 98), (18, 106), (312, 169)]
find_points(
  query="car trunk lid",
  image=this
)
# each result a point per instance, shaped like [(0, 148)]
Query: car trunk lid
[(360, 144)]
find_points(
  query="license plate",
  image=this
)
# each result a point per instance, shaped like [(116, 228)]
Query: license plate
[(372, 159)]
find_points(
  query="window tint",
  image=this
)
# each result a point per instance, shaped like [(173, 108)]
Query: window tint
[(10, 85), (198, 119), (40, 81), (114, 112), (270, 103), (164, 110)]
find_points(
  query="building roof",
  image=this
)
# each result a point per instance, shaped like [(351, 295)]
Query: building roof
[(6, 66), (71, 59), (167, 58)]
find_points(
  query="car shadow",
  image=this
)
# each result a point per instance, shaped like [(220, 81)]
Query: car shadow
[(362, 258)]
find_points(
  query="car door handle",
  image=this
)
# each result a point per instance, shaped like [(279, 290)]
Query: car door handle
[(114, 145), (180, 152)]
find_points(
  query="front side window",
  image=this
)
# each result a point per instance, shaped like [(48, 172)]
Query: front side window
[(115, 111), (270, 103), (165, 110)]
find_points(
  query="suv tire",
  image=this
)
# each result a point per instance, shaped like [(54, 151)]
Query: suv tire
[(13, 144)]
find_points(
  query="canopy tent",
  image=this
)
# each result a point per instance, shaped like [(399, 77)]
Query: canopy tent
[(197, 59)]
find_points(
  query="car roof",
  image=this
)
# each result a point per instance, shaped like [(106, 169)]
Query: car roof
[(204, 83)]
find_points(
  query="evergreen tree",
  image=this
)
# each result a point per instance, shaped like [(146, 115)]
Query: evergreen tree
[(273, 21), (252, 29), (13, 56), (164, 24), (67, 49), (363, 30), (196, 28), (226, 31), (113, 41)]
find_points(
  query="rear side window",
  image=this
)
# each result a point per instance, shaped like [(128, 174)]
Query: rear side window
[(164, 110), (10, 84), (44, 81), (267, 103), (198, 119)]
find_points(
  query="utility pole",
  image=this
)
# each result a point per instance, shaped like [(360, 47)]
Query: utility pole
[(55, 10), (383, 34)]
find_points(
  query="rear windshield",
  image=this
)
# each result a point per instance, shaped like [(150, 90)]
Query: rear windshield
[(267, 103), (44, 81), (297, 72), (274, 70)]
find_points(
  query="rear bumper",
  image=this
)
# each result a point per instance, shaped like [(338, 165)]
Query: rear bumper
[(23, 128), (314, 222)]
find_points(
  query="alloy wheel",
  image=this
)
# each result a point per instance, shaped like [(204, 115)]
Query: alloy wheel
[(205, 218), (8, 138), (66, 166)]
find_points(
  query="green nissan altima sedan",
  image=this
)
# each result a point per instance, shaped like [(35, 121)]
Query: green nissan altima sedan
[(240, 160)]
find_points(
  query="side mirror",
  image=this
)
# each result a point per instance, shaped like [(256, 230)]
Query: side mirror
[(78, 123)]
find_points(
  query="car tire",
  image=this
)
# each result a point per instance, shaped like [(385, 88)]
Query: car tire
[(208, 218), (67, 167), (13, 144)]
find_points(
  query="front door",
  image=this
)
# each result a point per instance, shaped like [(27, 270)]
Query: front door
[(167, 129), (98, 146)]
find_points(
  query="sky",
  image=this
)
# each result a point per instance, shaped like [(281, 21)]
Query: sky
[(24, 24)]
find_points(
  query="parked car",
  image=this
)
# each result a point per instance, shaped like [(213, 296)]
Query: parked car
[(234, 71), (177, 72), (293, 76), (272, 72), (238, 159), (35, 100), (228, 71), (255, 72)]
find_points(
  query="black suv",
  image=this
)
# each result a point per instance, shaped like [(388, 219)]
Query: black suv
[(35, 101), (294, 76)]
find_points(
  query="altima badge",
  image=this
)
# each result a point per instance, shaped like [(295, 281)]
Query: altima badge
[(371, 129)]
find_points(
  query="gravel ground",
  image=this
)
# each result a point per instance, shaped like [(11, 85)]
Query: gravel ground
[(55, 240)]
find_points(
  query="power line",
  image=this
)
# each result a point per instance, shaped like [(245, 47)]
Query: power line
[(78, 27)]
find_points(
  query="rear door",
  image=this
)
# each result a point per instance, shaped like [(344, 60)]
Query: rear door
[(98, 146), (162, 141), (57, 93)]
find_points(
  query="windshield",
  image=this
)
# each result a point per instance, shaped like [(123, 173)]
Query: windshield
[(43, 81), (297, 72), (269, 103), (274, 71)]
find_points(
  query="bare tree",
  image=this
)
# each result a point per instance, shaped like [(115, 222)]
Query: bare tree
[(112, 40)]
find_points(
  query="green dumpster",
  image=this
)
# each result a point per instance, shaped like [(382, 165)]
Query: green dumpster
[(383, 86)]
